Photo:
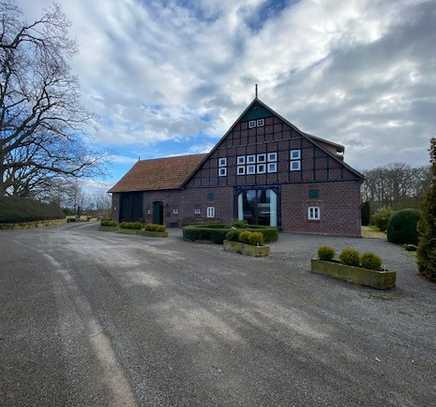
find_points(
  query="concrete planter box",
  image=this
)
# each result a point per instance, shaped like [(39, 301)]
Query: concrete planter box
[(381, 280), (154, 234), (246, 249), (108, 228)]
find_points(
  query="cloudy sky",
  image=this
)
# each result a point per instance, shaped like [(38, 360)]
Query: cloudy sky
[(169, 77)]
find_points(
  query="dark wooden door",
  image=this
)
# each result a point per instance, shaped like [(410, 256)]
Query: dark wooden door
[(158, 213), (131, 207)]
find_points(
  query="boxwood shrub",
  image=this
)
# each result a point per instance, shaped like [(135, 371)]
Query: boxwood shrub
[(350, 257), (151, 227), (233, 235), (370, 261), (253, 238), (217, 232), (108, 222), (403, 227), (131, 225), (326, 253)]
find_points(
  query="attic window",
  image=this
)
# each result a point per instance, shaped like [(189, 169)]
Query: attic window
[(222, 162), (251, 124), (260, 123), (222, 172)]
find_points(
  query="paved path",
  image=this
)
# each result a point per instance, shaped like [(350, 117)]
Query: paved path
[(91, 318)]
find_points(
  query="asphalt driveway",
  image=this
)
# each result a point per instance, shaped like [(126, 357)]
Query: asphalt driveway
[(91, 318)]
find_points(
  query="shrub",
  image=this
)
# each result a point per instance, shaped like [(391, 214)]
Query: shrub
[(255, 238), (16, 210), (244, 236), (108, 222), (403, 227), (233, 235), (131, 225), (152, 227), (381, 218), (240, 224), (365, 210), (350, 256), (426, 253), (370, 261), (326, 253), (71, 219)]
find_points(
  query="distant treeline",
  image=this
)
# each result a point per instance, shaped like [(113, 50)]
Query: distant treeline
[(395, 186)]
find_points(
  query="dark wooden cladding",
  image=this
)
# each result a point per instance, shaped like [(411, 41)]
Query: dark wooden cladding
[(275, 136)]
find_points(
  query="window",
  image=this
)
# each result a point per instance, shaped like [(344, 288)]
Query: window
[(272, 167), (251, 159), (241, 159), (210, 212), (260, 122), (261, 158), (313, 193), (295, 155), (222, 172), (175, 211), (251, 169), (197, 211), (272, 157), (240, 170), (210, 196), (313, 213), (222, 162), (261, 168), (295, 165), (251, 124), (148, 211)]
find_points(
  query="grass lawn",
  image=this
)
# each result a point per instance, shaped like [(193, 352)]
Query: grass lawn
[(372, 232)]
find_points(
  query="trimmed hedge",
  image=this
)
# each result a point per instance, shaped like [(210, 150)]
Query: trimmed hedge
[(131, 225), (403, 227), (216, 233), (18, 210), (233, 235), (108, 222), (151, 227)]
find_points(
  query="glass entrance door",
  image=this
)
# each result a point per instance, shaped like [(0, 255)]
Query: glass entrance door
[(258, 207)]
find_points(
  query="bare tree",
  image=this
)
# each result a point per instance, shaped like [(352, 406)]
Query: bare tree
[(41, 120)]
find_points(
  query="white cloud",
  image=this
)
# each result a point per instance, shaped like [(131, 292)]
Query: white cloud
[(360, 72)]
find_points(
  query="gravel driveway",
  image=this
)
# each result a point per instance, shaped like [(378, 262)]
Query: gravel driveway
[(90, 318)]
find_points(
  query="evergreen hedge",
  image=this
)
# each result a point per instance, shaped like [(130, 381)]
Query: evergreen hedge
[(403, 227), (18, 210)]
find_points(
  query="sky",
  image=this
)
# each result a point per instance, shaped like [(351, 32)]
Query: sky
[(170, 77)]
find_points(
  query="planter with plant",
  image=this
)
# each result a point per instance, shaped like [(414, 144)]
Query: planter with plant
[(131, 227), (153, 230), (365, 269), (246, 242)]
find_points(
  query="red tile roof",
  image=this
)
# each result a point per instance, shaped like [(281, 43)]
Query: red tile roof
[(159, 173)]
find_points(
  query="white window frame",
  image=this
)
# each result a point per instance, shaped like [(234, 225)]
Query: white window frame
[(197, 211), (210, 212), (242, 168), (222, 172), (259, 171), (272, 167), (251, 159), (251, 169), (261, 158), (240, 159), (295, 154), (222, 162), (297, 164), (272, 157), (175, 211), (252, 124), (260, 122), (313, 213)]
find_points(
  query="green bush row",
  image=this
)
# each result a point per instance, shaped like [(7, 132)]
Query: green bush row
[(17, 210), (131, 225), (108, 222), (245, 236), (217, 233), (151, 227), (351, 257)]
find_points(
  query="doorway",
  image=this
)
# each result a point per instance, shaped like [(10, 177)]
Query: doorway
[(158, 213), (258, 207), (131, 205)]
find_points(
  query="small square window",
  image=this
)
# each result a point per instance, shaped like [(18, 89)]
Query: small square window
[(272, 167), (313, 193), (261, 168), (241, 159), (251, 124), (295, 165), (313, 213), (210, 196), (222, 162), (210, 213), (261, 158), (295, 155), (241, 170), (148, 211), (251, 159), (175, 211), (222, 172), (272, 157), (260, 122), (251, 169), (197, 211)]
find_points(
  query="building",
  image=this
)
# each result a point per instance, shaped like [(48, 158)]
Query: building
[(263, 170)]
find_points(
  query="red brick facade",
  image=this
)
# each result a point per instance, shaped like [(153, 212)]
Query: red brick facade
[(322, 180)]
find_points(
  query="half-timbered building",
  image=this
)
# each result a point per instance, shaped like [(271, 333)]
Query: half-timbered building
[(263, 170)]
